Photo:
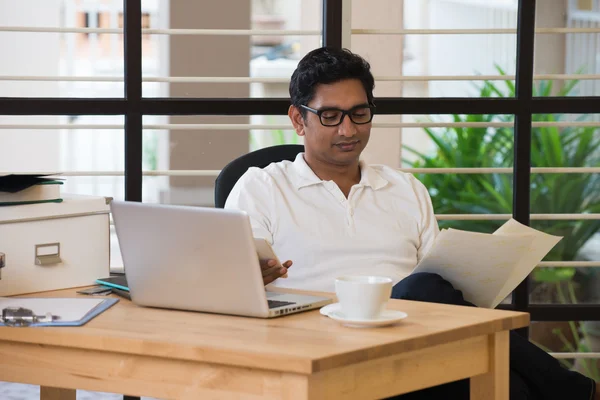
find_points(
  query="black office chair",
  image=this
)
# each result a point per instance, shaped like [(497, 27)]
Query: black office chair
[(260, 158)]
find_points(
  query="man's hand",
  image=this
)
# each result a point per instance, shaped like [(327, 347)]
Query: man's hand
[(271, 272)]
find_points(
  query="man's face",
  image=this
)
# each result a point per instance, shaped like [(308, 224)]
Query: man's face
[(341, 144)]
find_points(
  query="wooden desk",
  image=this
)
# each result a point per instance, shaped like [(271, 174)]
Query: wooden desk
[(185, 355)]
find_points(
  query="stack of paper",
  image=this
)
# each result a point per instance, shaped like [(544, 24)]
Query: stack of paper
[(487, 267)]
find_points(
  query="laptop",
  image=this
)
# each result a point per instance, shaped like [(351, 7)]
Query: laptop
[(197, 259)]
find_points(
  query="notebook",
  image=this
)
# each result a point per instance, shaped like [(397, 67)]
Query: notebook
[(487, 267), (69, 311), (17, 189)]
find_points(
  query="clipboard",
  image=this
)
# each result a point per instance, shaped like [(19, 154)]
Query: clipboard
[(33, 312)]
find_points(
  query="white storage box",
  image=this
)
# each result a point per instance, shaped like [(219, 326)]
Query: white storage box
[(52, 246)]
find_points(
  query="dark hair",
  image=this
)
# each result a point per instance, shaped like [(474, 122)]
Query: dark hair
[(328, 65)]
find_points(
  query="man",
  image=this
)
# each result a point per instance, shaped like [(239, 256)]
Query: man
[(334, 215)]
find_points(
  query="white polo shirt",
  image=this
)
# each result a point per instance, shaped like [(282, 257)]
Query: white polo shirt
[(383, 228)]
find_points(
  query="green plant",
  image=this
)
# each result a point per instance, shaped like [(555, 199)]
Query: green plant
[(579, 339), (484, 147), (150, 151), (280, 136)]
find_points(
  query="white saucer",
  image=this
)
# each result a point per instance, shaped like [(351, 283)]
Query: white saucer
[(388, 317), (329, 308)]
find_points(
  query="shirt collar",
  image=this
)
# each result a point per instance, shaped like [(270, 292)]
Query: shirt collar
[(305, 176)]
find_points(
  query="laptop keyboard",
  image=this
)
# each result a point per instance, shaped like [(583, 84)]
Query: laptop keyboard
[(277, 303)]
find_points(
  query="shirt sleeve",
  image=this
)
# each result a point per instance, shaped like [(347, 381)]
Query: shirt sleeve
[(252, 193), (428, 226)]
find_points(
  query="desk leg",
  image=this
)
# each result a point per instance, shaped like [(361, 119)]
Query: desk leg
[(495, 384), (50, 393)]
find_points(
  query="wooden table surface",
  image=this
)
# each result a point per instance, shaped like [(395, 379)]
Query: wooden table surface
[(178, 354)]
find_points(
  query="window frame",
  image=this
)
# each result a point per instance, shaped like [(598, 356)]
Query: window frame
[(134, 106)]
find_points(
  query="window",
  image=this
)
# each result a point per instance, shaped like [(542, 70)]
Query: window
[(168, 101)]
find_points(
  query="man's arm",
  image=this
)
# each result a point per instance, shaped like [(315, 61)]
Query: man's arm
[(428, 226), (253, 193)]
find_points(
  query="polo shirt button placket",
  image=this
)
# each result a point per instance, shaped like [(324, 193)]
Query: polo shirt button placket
[(350, 218)]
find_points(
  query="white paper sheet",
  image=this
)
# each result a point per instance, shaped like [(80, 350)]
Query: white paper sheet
[(68, 309), (487, 267), (540, 246)]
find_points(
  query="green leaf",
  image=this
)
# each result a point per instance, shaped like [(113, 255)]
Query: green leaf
[(553, 275), (509, 84)]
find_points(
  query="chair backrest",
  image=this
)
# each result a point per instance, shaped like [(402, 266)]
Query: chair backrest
[(260, 158)]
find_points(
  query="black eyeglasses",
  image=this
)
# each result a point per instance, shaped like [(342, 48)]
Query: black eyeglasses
[(360, 115)]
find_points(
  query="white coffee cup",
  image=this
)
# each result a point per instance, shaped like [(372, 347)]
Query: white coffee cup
[(363, 296)]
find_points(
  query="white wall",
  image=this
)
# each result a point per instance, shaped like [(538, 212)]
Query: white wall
[(386, 56), (29, 54), (469, 54)]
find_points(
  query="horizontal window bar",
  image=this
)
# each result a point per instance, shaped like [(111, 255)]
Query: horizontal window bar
[(279, 106), (575, 355), (174, 79), (561, 312), (545, 170), (214, 79), (245, 79), (50, 29), (539, 77), (501, 31), (385, 105), (233, 32), (122, 173), (152, 31), (502, 217), (227, 127), (565, 105), (62, 106), (572, 264), (424, 78), (475, 105), (407, 78), (215, 172), (62, 126), (62, 78), (286, 32), (562, 124), (535, 170)]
